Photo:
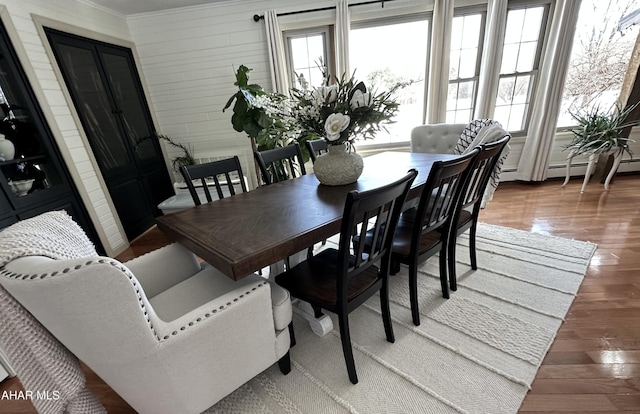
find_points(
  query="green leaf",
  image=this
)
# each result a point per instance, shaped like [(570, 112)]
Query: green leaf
[(242, 76)]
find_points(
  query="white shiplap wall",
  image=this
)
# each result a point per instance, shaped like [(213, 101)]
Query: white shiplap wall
[(20, 17)]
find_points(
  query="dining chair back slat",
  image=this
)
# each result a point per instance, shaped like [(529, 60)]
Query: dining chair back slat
[(280, 164), (316, 147), (222, 174)]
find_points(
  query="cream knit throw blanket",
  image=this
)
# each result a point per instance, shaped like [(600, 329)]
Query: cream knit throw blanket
[(42, 363)]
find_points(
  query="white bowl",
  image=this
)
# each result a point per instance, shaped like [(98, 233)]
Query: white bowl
[(21, 187)]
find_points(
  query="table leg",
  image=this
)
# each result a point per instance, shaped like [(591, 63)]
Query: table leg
[(616, 163), (590, 167), (320, 326)]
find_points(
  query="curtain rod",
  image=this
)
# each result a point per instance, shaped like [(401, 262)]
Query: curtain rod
[(257, 17)]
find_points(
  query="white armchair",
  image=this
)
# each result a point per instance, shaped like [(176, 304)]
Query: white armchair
[(167, 334)]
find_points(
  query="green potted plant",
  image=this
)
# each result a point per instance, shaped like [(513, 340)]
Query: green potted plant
[(600, 132), (263, 116), (176, 162)]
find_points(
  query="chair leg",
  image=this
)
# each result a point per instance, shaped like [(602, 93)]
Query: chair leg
[(285, 364), (292, 336), (346, 347), (386, 312), (443, 272), (451, 259), (472, 246), (395, 267), (413, 293)]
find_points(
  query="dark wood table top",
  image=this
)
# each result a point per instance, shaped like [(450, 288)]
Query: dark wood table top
[(249, 231)]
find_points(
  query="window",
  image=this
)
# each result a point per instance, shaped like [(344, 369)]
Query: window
[(520, 63), (308, 54), (467, 37), (382, 55), (599, 57)]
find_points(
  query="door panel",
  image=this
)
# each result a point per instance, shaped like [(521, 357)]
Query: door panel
[(102, 80), (131, 200)]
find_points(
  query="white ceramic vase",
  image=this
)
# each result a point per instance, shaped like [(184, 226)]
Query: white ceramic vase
[(7, 150), (338, 166)]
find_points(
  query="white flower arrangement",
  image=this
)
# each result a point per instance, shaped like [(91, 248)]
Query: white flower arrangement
[(343, 112)]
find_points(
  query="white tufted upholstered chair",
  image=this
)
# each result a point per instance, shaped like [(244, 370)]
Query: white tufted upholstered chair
[(460, 139), (436, 138), (168, 334)]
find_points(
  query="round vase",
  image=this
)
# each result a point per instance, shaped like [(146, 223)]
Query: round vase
[(7, 150), (338, 166)]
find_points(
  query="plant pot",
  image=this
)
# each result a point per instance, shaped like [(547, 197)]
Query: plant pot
[(338, 166)]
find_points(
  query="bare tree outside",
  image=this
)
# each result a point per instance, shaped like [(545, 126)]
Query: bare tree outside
[(600, 56)]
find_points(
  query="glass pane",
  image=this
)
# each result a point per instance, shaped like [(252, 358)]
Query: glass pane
[(308, 57), (454, 63), (509, 58), (527, 57), (452, 96), (517, 118), (515, 25), (457, 27), (380, 59), (125, 92), (93, 101), (468, 62), (506, 88), (471, 33), (532, 22), (599, 57), (521, 89)]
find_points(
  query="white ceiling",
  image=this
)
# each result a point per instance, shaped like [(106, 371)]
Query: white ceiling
[(127, 7)]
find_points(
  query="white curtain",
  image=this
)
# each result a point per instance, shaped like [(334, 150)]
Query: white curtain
[(275, 46), (439, 62), (491, 59), (539, 141), (342, 28)]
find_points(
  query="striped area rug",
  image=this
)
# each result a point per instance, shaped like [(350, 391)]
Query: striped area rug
[(477, 352)]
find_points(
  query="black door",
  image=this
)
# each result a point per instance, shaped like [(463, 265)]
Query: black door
[(103, 83)]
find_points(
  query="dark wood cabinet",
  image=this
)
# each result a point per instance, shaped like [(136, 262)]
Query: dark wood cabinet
[(36, 158)]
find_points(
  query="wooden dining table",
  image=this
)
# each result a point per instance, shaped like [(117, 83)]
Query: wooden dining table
[(242, 234)]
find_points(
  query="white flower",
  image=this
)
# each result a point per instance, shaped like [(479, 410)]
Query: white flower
[(360, 99), (335, 124), (326, 94)]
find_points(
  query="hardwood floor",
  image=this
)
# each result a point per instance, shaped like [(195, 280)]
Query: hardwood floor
[(593, 365)]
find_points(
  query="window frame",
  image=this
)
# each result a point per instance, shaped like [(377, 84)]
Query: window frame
[(390, 20), (538, 60), (329, 48), (464, 11)]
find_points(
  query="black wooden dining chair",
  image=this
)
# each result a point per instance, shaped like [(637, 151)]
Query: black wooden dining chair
[(339, 280), (421, 235), (316, 147), (280, 164), (223, 174), (469, 204)]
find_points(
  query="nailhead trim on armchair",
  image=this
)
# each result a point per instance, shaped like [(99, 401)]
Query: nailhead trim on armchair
[(133, 281)]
